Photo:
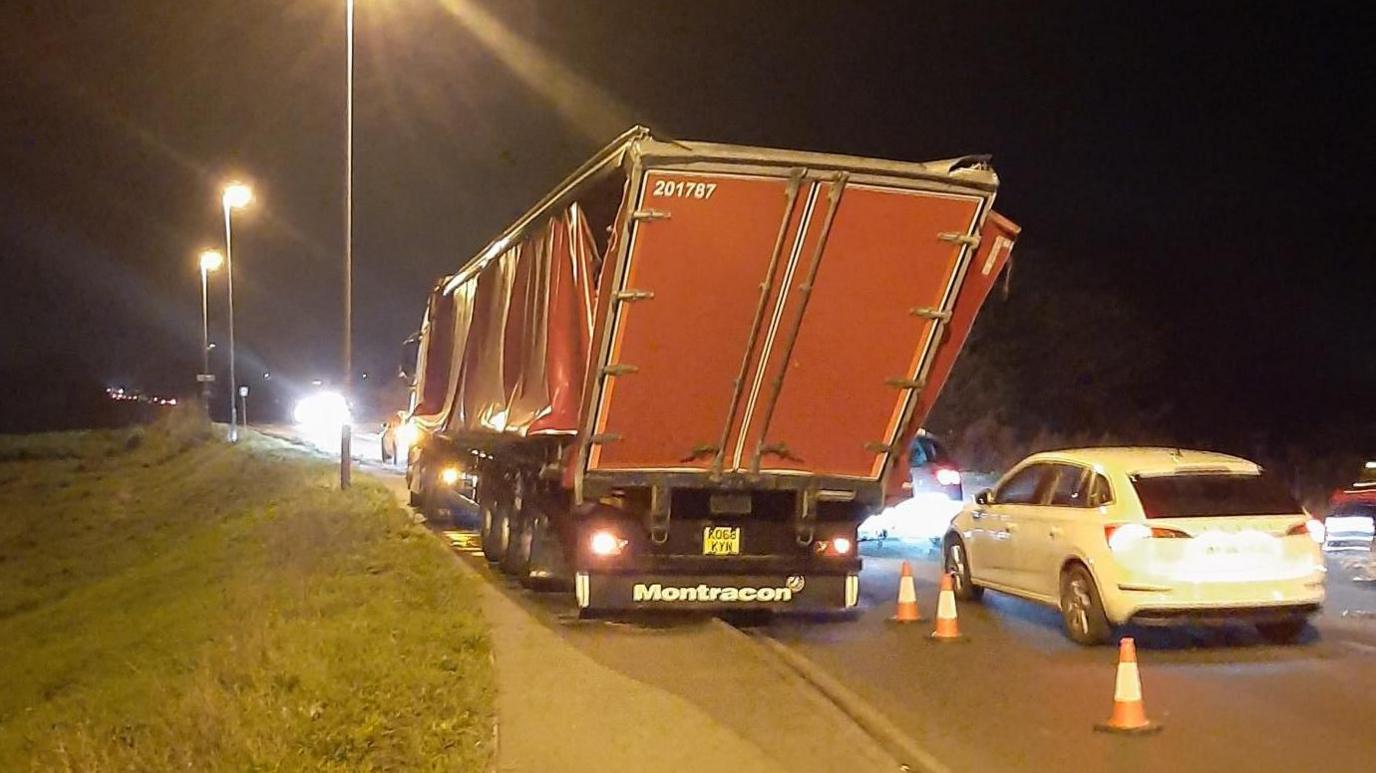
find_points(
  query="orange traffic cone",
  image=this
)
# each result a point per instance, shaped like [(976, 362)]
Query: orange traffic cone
[(1128, 715), (947, 627), (907, 598)]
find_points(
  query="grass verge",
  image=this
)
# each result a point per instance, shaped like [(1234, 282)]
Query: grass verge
[(168, 601)]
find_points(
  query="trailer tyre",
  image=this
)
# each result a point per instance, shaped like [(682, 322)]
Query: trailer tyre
[(516, 559), (415, 480), (413, 497), (494, 531)]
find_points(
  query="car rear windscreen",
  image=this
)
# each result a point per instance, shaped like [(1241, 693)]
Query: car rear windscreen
[(1214, 494)]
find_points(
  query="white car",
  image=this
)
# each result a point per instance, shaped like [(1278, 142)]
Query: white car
[(1142, 535)]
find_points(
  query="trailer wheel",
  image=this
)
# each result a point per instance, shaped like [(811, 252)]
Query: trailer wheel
[(414, 481), (516, 560), (413, 496), (495, 532)]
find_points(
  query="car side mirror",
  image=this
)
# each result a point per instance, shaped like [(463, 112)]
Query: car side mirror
[(985, 497)]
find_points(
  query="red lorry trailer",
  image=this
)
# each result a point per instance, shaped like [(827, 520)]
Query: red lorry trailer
[(686, 375)]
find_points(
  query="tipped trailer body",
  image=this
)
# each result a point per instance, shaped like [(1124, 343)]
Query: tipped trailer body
[(686, 375)]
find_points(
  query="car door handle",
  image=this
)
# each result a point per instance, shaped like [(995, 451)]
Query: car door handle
[(977, 515)]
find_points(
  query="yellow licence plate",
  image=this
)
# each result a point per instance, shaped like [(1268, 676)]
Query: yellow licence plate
[(721, 541)]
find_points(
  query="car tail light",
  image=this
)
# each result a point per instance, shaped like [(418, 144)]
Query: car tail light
[(1120, 536), (947, 476), (1313, 527), (606, 543)]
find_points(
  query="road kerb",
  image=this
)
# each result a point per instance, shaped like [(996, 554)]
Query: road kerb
[(869, 719)]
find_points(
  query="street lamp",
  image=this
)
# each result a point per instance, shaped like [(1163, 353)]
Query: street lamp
[(346, 431), (211, 260), (235, 196)]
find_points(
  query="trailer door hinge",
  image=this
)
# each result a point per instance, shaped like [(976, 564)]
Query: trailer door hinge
[(780, 450), (627, 296), (927, 312), (958, 238), (650, 214), (904, 383), (605, 437), (805, 517), (880, 448), (700, 450), (659, 514), (620, 369)]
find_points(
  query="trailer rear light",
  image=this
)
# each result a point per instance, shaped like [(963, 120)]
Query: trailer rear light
[(1313, 527), (606, 543), (1121, 536), (947, 476), (449, 475), (836, 546)]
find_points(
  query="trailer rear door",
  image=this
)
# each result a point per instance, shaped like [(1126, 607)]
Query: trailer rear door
[(775, 323), (685, 310)]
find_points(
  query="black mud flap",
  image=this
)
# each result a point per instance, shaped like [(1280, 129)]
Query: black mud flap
[(548, 567)]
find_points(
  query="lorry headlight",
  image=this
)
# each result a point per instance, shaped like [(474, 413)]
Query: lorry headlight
[(449, 475), (322, 412), (407, 435)]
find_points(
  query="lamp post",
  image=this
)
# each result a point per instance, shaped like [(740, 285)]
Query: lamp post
[(211, 260), (235, 196), (346, 431)]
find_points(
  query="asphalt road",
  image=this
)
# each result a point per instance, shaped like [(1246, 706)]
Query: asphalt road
[(1017, 695), (1020, 696)]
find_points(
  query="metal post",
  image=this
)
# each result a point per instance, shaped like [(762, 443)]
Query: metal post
[(205, 344), (345, 455), (233, 382)]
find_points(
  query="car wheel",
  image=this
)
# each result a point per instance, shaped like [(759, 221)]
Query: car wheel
[(956, 563), (1081, 610), (1282, 631)]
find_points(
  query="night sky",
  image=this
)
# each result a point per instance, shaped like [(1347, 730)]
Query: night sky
[(1207, 169)]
